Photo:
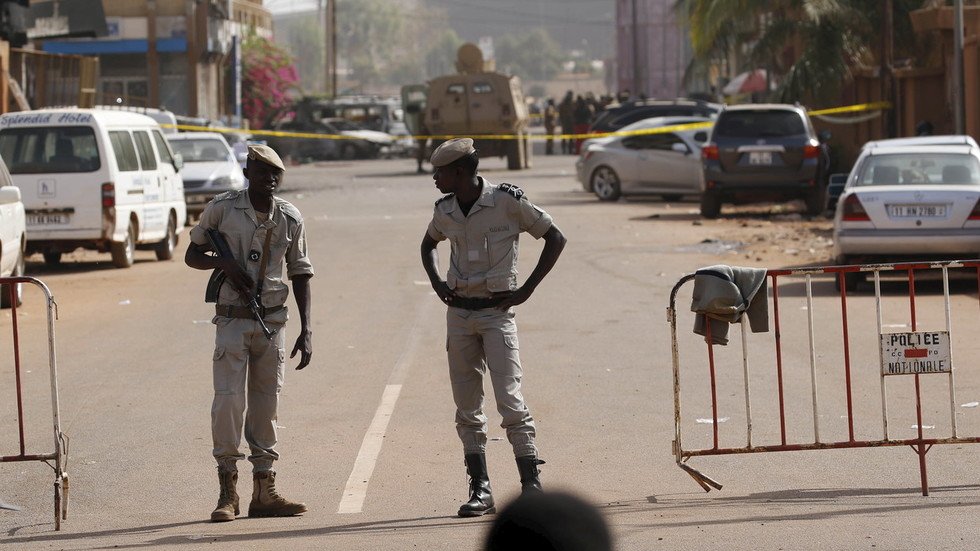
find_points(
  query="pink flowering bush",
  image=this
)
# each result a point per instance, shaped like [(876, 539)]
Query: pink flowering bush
[(268, 73)]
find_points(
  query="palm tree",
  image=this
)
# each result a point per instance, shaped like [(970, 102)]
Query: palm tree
[(809, 46)]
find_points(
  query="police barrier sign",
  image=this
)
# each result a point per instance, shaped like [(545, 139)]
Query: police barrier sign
[(911, 353)]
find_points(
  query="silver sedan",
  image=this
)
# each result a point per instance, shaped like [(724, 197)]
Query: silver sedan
[(909, 203), (664, 163)]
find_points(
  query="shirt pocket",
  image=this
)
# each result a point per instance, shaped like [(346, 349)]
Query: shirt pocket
[(500, 252)]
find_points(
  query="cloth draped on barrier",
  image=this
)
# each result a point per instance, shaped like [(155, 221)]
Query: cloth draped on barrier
[(722, 294)]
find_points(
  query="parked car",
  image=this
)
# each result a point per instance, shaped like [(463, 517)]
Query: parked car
[(96, 179), (615, 117), (837, 181), (909, 203), (363, 143), (764, 152), (210, 168), (666, 164), (13, 236)]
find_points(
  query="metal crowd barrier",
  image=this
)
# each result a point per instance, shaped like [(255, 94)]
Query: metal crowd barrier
[(915, 353), (59, 456)]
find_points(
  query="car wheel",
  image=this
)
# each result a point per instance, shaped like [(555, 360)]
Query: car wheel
[(165, 248), (122, 253), (348, 152), (52, 258), (816, 200), (671, 197), (5, 301), (605, 184), (710, 204)]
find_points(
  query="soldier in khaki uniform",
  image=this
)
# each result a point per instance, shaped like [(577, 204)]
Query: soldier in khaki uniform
[(262, 231), (483, 221)]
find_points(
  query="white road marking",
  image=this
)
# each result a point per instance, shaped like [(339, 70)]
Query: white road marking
[(367, 457), (355, 491)]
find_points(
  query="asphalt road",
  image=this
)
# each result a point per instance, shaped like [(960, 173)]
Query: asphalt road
[(134, 351)]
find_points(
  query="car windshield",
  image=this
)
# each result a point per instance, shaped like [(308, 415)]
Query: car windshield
[(204, 150), (762, 123), (49, 149), (920, 169)]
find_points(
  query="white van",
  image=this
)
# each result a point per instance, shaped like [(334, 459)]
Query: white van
[(101, 180)]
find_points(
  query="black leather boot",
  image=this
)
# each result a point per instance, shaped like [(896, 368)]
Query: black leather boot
[(481, 500), (527, 465)]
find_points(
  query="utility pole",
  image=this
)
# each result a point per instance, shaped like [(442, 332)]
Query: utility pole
[(636, 54), (958, 116), (192, 56), (152, 59), (887, 55), (333, 47)]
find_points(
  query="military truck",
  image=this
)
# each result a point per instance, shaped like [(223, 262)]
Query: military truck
[(477, 101)]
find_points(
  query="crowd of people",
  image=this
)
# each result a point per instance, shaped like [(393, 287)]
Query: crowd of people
[(573, 116)]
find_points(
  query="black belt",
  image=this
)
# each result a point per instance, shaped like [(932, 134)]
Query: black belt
[(475, 303), (243, 312)]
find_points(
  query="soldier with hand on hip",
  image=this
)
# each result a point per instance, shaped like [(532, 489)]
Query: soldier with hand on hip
[(261, 231), (483, 221)]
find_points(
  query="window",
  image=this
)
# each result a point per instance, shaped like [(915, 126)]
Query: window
[(920, 169), (456, 89), (162, 150), (50, 149), (122, 146), (206, 150), (760, 124), (482, 88), (659, 142), (145, 149)]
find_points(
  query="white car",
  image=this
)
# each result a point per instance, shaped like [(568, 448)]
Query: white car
[(666, 164), (13, 235), (913, 202), (210, 167)]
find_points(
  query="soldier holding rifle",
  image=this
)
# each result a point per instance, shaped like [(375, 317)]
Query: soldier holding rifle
[(260, 231)]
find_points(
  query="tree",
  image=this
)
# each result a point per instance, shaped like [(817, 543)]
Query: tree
[(534, 56), (824, 39), (268, 75)]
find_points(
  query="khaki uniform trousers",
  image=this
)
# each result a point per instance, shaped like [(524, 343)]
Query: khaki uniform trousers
[(481, 340), (248, 369)]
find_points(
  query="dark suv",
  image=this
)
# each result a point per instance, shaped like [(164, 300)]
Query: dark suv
[(614, 118), (764, 152)]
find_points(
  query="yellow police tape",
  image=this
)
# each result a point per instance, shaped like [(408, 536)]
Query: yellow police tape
[(861, 107)]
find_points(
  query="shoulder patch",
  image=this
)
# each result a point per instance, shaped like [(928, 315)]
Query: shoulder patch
[(289, 210), (446, 197), (511, 189)]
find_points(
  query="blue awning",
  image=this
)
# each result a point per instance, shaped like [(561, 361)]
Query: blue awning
[(95, 47)]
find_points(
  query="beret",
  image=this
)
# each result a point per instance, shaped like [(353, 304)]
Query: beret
[(451, 150), (265, 154)]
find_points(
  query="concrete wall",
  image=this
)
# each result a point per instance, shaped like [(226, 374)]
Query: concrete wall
[(662, 45)]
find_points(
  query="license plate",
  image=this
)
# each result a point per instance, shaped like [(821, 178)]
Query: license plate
[(760, 158), (917, 211), (47, 219)]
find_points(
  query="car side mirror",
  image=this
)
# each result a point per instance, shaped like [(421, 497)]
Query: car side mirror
[(680, 148), (824, 136), (835, 188), (701, 136), (9, 194), (178, 161)]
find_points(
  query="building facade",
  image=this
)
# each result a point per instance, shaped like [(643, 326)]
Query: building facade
[(180, 55), (652, 49)]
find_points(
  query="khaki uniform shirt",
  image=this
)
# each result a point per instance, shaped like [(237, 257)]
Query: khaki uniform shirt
[(484, 244), (232, 214)]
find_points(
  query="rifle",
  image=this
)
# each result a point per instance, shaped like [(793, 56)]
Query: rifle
[(218, 276)]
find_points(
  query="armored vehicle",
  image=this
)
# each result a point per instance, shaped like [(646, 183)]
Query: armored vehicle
[(477, 101)]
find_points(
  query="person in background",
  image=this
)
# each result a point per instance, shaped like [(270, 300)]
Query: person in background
[(566, 115), (550, 121)]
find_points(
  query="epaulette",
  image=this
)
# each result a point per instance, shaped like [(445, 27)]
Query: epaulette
[(445, 197), (233, 194), (289, 210), (512, 190)]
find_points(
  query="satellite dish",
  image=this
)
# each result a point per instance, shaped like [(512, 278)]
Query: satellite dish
[(469, 59)]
